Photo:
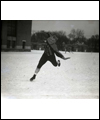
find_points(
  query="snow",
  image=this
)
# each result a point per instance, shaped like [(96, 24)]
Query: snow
[(76, 78)]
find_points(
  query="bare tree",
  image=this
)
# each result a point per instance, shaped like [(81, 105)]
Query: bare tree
[(76, 35), (72, 35)]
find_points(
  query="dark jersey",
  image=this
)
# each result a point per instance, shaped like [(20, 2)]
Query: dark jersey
[(51, 48), (48, 49)]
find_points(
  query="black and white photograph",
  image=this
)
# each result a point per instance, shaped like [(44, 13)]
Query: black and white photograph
[(49, 59)]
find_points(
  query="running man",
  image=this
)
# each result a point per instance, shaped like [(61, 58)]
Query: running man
[(49, 54)]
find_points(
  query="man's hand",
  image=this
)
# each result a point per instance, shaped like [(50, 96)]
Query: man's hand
[(65, 58), (45, 41)]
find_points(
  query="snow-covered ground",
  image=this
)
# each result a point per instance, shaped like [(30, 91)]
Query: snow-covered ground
[(76, 78)]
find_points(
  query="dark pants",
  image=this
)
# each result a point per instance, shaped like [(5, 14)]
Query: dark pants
[(46, 58)]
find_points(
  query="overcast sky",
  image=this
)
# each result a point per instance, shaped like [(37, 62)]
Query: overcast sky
[(90, 27)]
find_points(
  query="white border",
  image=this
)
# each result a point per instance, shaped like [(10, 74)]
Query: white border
[(49, 10), (50, 109), (56, 10)]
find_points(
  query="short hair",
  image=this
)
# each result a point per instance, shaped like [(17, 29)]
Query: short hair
[(48, 34), (55, 37)]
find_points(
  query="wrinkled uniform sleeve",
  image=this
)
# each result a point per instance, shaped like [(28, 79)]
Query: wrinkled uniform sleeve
[(47, 49)]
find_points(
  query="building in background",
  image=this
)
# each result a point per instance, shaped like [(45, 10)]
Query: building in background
[(16, 35)]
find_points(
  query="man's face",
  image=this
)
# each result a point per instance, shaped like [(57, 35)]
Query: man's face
[(55, 38)]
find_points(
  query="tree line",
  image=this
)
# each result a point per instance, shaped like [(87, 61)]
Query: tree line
[(74, 41)]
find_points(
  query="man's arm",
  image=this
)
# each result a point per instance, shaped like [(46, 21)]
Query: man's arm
[(65, 58), (56, 51), (61, 56)]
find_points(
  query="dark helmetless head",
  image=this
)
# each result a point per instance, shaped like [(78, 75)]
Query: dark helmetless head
[(55, 37), (48, 34)]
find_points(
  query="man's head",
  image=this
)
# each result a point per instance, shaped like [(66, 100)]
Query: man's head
[(52, 39), (55, 37), (48, 34)]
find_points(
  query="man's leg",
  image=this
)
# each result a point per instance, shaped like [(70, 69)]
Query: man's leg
[(36, 72), (42, 61), (58, 62), (53, 60)]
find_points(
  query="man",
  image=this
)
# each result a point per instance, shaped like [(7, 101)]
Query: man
[(49, 54)]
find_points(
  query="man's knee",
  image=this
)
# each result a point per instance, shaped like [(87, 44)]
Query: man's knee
[(55, 64), (39, 66)]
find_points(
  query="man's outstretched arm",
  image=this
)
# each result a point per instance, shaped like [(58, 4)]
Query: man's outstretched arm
[(55, 49), (61, 56)]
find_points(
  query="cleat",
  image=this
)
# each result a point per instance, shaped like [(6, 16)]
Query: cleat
[(31, 79), (59, 63)]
